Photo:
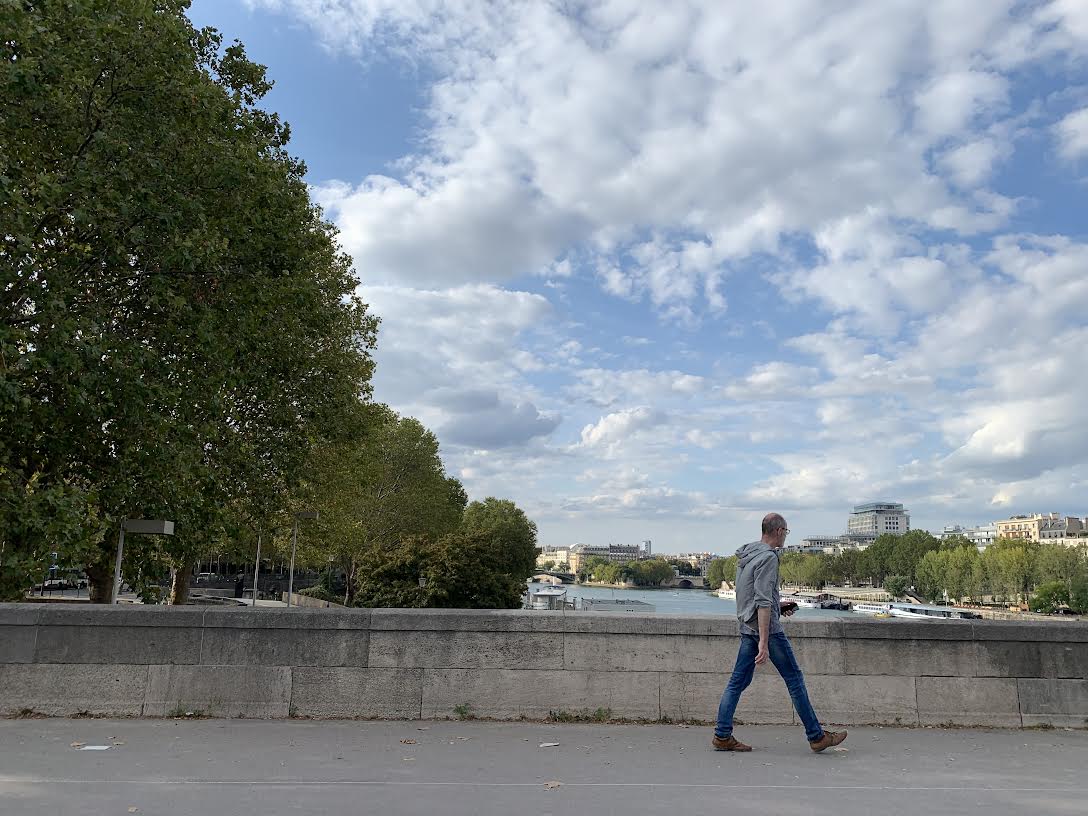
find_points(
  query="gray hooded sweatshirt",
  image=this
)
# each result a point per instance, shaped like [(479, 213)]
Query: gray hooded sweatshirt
[(757, 586)]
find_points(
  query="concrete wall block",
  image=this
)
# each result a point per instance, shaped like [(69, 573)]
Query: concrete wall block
[(20, 614), (285, 647), (618, 623), (862, 627), (509, 694), (445, 620), (356, 692), (918, 658), (127, 615), (800, 629), (63, 690), (1054, 702), (970, 701), (218, 691), (118, 644), (1032, 631), (706, 625), (819, 655), (17, 643), (1013, 658), (436, 649), (864, 699), (308, 619), (647, 652), (695, 696)]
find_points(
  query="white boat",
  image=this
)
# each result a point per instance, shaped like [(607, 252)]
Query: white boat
[(883, 610), (803, 601), (909, 610), (727, 592), (548, 598)]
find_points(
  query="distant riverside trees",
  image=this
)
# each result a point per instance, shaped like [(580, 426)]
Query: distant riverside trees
[(1010, 570), (648, 573)]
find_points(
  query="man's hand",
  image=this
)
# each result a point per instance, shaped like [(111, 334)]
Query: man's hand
[(761, 655), (787, 608)]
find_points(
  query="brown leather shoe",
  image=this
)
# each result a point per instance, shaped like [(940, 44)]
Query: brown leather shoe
[(829, 740), (729, 744)]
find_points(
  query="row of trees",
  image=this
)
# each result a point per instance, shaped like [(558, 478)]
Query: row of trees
[(1008, 570), (179, 332), (650, 572)]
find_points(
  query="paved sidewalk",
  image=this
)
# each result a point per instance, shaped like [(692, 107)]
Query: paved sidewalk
[(454, 768)]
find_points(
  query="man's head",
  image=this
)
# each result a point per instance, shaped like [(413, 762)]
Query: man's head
[(775, 530)]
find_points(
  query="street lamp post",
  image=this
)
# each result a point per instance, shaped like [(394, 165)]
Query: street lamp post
[(136, 527), (305, 514)]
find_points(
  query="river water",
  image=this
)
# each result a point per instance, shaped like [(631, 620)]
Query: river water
[(679, 601)]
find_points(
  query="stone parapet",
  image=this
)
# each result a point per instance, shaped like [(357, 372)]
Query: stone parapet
[(426, 663)]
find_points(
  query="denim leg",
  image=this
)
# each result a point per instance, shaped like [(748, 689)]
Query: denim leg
[(741, 679), (781, 654)]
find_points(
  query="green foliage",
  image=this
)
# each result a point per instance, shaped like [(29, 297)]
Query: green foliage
[(721, 569), (484, 565), (1048, 597), (380, 482), (896, 585), (1078, 595), (683, 567)]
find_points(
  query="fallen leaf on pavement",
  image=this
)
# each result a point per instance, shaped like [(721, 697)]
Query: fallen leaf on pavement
[(841, 750), (134, 810), (78, 744), (408, 741), (549, 745), (409, 759), (555, 783)]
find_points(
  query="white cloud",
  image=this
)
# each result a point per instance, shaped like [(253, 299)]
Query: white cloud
[(971, 164), (678, 155), (714, 130), (617, 429), (1072, 134)]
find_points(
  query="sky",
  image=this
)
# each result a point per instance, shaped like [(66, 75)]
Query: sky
[(654, 269)]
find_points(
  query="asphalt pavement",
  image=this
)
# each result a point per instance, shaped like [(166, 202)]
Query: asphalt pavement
[(59, 766)]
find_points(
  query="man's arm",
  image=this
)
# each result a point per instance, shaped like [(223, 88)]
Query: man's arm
[(763, 616), (765, 580)]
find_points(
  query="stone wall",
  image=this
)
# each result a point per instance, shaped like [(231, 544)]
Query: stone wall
[(159, 661)]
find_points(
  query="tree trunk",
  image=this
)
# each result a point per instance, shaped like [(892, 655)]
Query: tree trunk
[(100, 581), (179, 589), (349, 584)]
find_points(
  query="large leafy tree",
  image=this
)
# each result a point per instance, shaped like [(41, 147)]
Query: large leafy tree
[(375, 486), (177, 324)]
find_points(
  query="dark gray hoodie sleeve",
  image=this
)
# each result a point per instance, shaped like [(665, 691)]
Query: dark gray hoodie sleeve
[(765, 580)]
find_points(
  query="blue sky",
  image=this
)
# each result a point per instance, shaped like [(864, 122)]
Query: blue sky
[(652, 269)]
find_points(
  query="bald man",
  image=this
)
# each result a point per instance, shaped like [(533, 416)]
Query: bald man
[(761, 636)]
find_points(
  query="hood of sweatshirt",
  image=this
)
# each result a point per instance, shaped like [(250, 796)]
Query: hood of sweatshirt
[(751, 551)]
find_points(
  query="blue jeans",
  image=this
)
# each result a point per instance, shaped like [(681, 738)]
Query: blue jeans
[(781, 654)]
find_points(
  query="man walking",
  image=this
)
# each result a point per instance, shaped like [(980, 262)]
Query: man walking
[(761, 636)]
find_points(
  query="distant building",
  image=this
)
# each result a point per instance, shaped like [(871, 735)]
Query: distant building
[(699, 560), (982, 536), (878, 518), (832, 544), (1039, 527), (610, 552), (951, 530), (556, 555)]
